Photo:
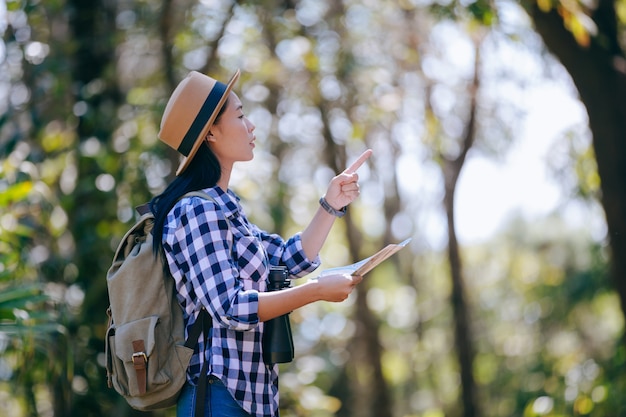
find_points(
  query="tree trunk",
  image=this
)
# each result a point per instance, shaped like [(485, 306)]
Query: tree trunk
[(464, 345), (93, 26), (93, 29), (599, 73), (462, 332)]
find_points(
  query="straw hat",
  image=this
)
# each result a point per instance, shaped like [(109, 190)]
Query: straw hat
[(190, 113)]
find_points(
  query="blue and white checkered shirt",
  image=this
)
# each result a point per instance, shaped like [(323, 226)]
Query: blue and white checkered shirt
[(221, 261)]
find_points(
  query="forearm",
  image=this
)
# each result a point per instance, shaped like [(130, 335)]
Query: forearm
[(315, 234), (333, 288), (276, 303)]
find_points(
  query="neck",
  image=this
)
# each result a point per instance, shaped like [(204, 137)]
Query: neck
[(224, 178)]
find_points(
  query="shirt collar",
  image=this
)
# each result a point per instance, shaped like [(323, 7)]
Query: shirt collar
[(227, 200)]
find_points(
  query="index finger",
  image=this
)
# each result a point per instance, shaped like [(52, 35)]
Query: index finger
[(356, 164)]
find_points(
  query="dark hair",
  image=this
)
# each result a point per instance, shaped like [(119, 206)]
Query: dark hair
[(204, 171)]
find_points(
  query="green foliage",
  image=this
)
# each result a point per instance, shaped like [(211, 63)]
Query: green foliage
[(79, 147), (481, 11), (15, 304), (557, 323), (29, 330)]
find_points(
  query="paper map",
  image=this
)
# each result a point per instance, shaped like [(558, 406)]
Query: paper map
[(367, 264)]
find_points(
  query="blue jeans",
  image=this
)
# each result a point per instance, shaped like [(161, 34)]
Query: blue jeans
[(218, 401)]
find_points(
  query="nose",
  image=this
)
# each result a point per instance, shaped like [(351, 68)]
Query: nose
[(251, 125)]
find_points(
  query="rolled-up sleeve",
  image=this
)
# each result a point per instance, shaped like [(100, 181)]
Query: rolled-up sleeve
[(197, 243)]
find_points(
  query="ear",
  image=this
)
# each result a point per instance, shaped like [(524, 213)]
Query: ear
[(210, 137)]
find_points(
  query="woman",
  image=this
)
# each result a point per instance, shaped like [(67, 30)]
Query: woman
[(220, 261)]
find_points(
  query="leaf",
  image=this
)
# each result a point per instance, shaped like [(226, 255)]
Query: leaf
[(16, 192), (20, 297)]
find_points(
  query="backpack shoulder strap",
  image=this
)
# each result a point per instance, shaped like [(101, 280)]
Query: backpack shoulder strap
[(200, 194), (144, 208), (204, 323)]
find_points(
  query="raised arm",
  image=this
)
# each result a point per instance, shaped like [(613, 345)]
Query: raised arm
[(342, 190)]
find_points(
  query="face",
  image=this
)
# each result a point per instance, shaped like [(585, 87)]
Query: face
[(232, 138)]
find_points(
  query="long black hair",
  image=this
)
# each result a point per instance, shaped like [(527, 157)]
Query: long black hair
[(204, 171)]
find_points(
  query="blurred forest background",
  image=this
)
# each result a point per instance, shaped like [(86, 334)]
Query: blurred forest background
[(529, 322)]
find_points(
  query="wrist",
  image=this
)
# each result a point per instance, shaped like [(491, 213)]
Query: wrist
[(312, 288), (330, 209)]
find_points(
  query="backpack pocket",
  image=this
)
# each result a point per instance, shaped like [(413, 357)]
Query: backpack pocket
[(134, 362)]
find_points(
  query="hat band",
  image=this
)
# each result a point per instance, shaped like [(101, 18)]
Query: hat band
[(202, 118)]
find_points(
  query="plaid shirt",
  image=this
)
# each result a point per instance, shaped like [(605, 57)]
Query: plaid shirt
[(220, 261)]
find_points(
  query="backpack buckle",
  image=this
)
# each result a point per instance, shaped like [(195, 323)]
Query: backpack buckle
[(140, 363), (138, 355)]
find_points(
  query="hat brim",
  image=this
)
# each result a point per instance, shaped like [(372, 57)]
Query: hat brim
[(205, 130)]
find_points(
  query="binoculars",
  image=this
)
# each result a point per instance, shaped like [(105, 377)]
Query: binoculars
[(277, 338)]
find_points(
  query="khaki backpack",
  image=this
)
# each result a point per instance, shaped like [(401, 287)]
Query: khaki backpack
[(146, 352)]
